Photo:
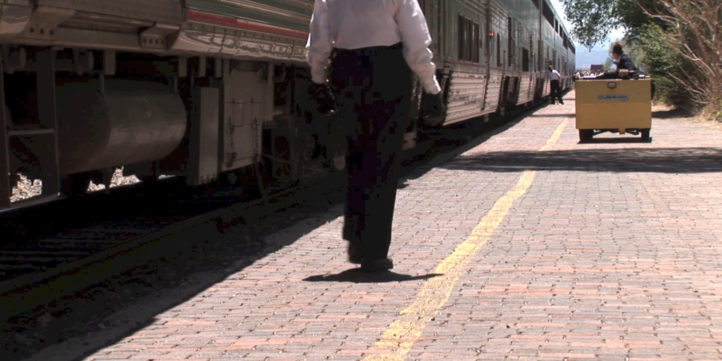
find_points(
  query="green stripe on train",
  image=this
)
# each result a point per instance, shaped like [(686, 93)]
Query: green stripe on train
[(300, 9)]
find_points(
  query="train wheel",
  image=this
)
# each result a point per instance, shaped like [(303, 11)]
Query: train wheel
[(585, 135)]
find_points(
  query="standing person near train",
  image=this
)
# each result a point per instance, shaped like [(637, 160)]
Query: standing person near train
[(556, 88), (373, 46)]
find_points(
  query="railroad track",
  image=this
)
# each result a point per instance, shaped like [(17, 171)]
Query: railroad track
[(88, 244), (60, 248)]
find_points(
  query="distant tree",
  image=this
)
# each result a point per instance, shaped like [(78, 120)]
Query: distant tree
[(663, 65), (692, 30), (678, 41), (593, 20)]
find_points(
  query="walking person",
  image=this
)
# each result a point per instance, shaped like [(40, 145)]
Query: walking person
[(374, 47), (555, 81)]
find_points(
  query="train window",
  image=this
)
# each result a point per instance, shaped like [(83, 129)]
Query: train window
[(490, 39), (510, 46), (475, 41), (524, 59), (462, 38), (531, 51), (468, 40), (548, 13)]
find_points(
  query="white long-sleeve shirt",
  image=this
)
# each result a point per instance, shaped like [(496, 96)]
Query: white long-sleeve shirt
[(355, 24), (554, 75)]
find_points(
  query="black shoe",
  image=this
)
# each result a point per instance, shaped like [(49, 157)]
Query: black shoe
[(379, 264), (355, 255)]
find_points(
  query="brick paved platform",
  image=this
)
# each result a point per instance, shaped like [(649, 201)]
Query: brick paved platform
[(528, 246)]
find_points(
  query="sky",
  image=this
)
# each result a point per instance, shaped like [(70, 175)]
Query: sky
[(585, 57)]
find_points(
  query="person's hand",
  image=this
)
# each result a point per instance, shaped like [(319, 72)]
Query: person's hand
[(322, 94), (433, 110)]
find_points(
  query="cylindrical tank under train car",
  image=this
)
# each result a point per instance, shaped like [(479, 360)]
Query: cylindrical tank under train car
[(116, 122), (205, 88), (188, 88)]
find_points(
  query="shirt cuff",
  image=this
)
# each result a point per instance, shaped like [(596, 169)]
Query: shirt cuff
[(319, 77), (432, 86)]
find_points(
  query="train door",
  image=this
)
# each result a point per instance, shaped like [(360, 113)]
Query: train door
[(497, 30), (541, 69), (511, 73), (488, 50), (435, 14), (526, 91), (464, 78)]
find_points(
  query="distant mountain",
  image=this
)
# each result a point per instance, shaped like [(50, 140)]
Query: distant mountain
[(585, 58)]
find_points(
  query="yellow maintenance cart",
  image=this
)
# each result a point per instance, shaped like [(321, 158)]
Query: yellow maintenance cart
[(613, 105)]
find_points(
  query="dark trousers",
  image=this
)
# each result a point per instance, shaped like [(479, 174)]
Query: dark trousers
[(556, 92), (373, 90)]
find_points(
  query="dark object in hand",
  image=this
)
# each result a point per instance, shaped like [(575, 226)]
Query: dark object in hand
[(433, 110), (324, 98)]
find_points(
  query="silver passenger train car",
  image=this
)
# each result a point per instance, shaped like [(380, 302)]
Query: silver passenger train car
[(205, 88)]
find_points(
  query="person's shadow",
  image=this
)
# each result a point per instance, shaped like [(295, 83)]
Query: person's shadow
[(357, 276)]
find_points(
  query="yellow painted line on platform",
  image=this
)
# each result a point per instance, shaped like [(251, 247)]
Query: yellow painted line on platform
[(397, 340)]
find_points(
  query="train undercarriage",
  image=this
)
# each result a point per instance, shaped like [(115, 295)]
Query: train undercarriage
[(214, 90), (168, 88), (74, 116)]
